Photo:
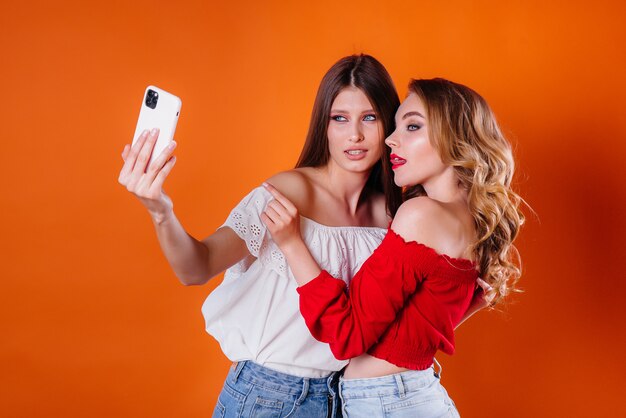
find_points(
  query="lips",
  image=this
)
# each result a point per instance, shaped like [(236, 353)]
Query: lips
[(355, 154), (396, 161)]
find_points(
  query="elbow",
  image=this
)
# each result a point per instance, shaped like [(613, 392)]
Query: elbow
[(193, 270), (187, 282), (192, 279)]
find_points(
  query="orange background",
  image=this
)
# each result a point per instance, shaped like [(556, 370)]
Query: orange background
[(93, 322)]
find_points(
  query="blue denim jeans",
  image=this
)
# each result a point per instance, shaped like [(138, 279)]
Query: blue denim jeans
[(415, 394), (251, 390)]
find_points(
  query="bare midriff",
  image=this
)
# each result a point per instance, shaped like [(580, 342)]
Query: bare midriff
[(366, 366)]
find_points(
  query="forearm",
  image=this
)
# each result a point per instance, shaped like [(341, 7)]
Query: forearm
[(193, 261), (351, 323), (187, 256), (302, 264)]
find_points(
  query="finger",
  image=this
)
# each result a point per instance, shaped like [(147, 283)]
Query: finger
[(162, 174), (267, 221), (153, 181), (125, 152), (146, 151), (280, 197), (280, 210), (272, 214), (129, 161), (122, 177), (484, 285), (157, 163), (137, 145)]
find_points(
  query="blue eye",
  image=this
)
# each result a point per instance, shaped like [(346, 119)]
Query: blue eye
[(369, 118), (339, 118), (413, 127)]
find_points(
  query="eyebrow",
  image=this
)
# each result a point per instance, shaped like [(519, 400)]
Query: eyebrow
[(414, 113), (345, 111)]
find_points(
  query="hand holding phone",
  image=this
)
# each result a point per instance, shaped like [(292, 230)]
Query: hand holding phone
[(149, 161), (159, 109)]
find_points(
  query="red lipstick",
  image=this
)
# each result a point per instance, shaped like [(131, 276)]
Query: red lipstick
[(396, 161)]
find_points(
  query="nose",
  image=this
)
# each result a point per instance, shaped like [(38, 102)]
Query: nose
[(356, 134), (391, 141)]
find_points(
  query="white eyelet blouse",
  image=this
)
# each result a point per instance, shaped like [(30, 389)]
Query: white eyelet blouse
[(254, 313)]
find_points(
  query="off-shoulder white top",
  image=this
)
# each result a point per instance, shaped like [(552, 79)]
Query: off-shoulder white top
[(254, 313)]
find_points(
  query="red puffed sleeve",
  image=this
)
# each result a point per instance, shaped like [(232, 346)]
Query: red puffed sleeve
[(352, 323)]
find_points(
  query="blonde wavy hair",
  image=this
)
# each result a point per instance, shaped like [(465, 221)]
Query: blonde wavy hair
[(466, 134)]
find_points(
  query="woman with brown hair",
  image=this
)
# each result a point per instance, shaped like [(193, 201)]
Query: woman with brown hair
[(338, 186), (458, 219)]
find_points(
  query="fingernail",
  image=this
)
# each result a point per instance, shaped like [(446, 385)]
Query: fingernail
[(265, 184), (145, 132), (172, 144), (154, 131)]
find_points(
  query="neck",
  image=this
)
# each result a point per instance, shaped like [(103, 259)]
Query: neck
[(445, 188), (347, 187)]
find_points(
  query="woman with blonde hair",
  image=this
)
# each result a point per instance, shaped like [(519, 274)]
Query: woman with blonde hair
[(458, 220)]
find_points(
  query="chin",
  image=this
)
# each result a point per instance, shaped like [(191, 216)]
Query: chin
[(397, 180), (400, 182), (361, 168)]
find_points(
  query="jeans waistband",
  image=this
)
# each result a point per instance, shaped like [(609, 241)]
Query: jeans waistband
[(399, 383), (274, 380)]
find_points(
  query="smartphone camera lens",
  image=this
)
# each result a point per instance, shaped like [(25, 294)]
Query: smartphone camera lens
[(152, 98)]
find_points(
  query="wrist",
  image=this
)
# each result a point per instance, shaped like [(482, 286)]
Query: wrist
[(293, 247), (301, 263), (162, 218)]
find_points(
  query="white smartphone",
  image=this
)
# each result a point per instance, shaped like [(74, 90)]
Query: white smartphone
[(159, 109)]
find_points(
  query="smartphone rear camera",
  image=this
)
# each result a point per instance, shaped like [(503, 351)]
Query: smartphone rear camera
[(152, 98)]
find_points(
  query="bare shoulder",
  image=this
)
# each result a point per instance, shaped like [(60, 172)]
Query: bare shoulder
[(296, 185), (428, 222), (417, 215)]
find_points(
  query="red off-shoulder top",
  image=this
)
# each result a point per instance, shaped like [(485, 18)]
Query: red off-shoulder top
[(402, 305)]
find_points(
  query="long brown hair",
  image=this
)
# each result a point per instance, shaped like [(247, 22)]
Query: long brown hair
[(370, 76), (467, 136)]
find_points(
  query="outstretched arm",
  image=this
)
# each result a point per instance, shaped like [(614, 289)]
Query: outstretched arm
[(193, 261)]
